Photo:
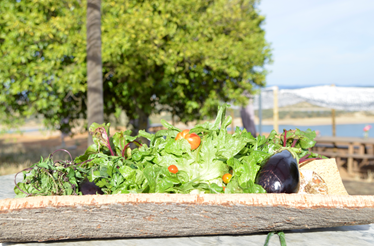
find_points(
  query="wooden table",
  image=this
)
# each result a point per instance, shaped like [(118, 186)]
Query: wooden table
[(352, 148)]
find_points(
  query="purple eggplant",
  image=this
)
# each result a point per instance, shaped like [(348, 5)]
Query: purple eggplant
[(280, 174), (89, 188)]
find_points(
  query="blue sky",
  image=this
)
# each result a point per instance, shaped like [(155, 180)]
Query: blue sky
[(318, 42)]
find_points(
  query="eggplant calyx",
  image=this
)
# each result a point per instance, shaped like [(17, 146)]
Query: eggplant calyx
[(294, 152)]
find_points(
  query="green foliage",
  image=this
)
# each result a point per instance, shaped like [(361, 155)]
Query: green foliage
[(145, 169), (189, 55), (43, 60), (50, 178), (183, 56)]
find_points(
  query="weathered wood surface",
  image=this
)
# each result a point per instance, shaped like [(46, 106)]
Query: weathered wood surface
[(159, 215)]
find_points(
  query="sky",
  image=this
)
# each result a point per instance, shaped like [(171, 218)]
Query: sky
[(320, 42)]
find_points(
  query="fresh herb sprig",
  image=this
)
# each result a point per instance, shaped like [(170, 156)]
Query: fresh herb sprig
[(49, 177)]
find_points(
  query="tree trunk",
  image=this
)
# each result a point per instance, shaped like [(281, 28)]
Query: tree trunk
[(141, 123), (95, 104), (248, 116)]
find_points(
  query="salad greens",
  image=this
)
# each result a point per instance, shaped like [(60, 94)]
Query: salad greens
[(122, 164)]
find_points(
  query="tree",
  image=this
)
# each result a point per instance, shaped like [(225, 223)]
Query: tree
[(95, 105), (189, 55), (42, 47), (181, 56)]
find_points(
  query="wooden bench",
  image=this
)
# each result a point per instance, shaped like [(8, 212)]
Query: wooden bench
[(358, 152), (355, 161)]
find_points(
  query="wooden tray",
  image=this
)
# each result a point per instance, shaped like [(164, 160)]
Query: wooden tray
[(162, 215)]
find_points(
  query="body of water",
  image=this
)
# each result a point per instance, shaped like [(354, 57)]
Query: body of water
[(342, 130), (24, 130)]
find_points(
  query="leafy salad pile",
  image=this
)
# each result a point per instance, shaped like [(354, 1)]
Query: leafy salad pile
[(219, 163)]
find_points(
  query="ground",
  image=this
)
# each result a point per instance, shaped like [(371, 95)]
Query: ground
[(359, 187)]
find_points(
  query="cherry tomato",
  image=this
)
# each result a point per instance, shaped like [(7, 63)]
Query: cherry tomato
[(192, 138), (182, 134), (226, 178), (173, 169), (223, 188)]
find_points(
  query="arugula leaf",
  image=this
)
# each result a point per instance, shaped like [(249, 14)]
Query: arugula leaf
[(233, 187), (208, 127), (169, 126)]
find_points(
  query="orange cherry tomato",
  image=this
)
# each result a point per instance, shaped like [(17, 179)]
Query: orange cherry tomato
[(226, 178), (192, 138), (223, 188), (182, 134), (173, 169)]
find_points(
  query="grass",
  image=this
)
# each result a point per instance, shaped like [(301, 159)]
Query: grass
[(16, 154), (12, 168), (13, 157)]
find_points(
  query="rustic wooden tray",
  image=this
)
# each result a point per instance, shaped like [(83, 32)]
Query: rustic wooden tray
[(161, 215)]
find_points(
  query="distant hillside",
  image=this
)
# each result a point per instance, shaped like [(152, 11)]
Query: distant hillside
[(305, 86), (307, 110)]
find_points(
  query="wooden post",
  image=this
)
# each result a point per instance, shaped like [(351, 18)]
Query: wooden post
[(260, 114), (232, 122), (333, 119), (95, 98), (333, 122), (275, 110), (350, 159)]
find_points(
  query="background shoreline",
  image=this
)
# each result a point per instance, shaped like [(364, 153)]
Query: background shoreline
[(38, 130)]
